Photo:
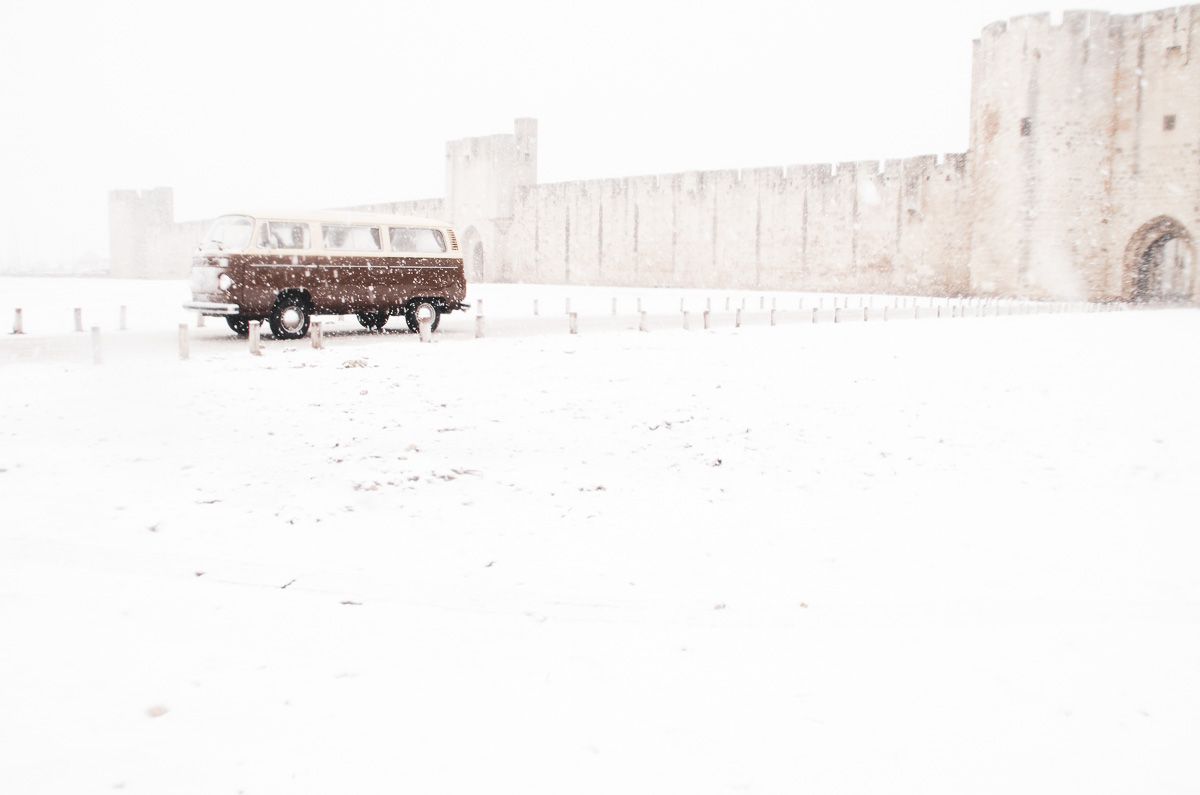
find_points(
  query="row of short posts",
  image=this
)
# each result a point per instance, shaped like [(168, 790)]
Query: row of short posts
[(956, 310), (97, 350), (959, 310), (19, 319)]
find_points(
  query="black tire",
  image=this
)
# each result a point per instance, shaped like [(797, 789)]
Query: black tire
[(373, 321), (239, 325), (418, 307), (289, 320)]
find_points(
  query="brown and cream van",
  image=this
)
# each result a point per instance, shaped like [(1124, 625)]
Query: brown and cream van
[(284, 268)]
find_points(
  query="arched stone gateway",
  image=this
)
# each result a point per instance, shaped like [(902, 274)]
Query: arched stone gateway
[(474, 260), (1160, 263)]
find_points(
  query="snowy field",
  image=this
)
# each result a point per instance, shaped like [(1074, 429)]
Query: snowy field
[(924, 557)]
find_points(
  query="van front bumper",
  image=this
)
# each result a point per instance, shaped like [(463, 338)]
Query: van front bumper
[(211, 308)]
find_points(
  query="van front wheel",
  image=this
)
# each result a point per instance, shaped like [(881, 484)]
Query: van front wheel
[(421, 309), (289, 320)]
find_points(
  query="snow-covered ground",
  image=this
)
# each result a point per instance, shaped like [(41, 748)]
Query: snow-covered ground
[(930, 557)]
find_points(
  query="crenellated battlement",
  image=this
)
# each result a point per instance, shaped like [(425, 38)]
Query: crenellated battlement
[(817, 175), (1083, 24)]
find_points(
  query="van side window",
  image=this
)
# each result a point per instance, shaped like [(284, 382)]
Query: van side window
[(283, 234), (417, 241), (351, 238)]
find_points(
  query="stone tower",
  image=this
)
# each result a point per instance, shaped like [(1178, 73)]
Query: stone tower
[(130, 213), (1084, 155), (482, 177)]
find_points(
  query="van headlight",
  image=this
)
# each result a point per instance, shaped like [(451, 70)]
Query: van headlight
[(224, 282)]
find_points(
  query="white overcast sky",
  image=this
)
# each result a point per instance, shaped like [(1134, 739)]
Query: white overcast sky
[(250, 103)]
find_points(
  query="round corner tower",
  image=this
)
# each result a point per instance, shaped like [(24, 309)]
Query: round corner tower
[(1084, 141)]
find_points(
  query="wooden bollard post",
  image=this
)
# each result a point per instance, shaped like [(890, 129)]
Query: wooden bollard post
[(916, 310), (737, 318), (183, 342), (642, 321), (800, 305), (939, 313), (78, 319), (318, 336), (96, 345), (814, 313), (425, 328), (124, 318), (639, 306), (706, 314), (707, 304), (865, 309), (762, 302), (479, 327), (772, 317), (573, 322), (885, 313), (743, 304), (479, 308), (774, 306), (687, 320), (681, 307), (837, 311), (726, 303), (18, 321), (614, 307), (821, 301), (252, 338), (568, 310), (535, 311)]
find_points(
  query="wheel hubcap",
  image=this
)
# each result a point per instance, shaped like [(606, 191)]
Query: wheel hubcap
[(426, 312), (291, 319)]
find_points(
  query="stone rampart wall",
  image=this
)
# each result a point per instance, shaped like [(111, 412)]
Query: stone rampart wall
[(897, 225)]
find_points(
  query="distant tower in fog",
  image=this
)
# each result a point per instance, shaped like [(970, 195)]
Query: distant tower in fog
[(132, 255)]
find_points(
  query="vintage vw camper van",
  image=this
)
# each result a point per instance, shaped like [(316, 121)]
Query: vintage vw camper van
[(283, 268)]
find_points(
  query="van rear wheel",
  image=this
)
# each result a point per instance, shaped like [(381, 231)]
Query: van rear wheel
[(421, 309), (374, 321), (238, 325)]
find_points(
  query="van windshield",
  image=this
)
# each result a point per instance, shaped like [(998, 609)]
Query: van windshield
[(229, 233)]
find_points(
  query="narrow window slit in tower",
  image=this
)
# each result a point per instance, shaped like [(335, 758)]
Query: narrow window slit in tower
[(1026, 127), (1169, 122)]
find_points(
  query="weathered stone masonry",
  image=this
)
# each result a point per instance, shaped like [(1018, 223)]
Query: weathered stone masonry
[(1082, 180)]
